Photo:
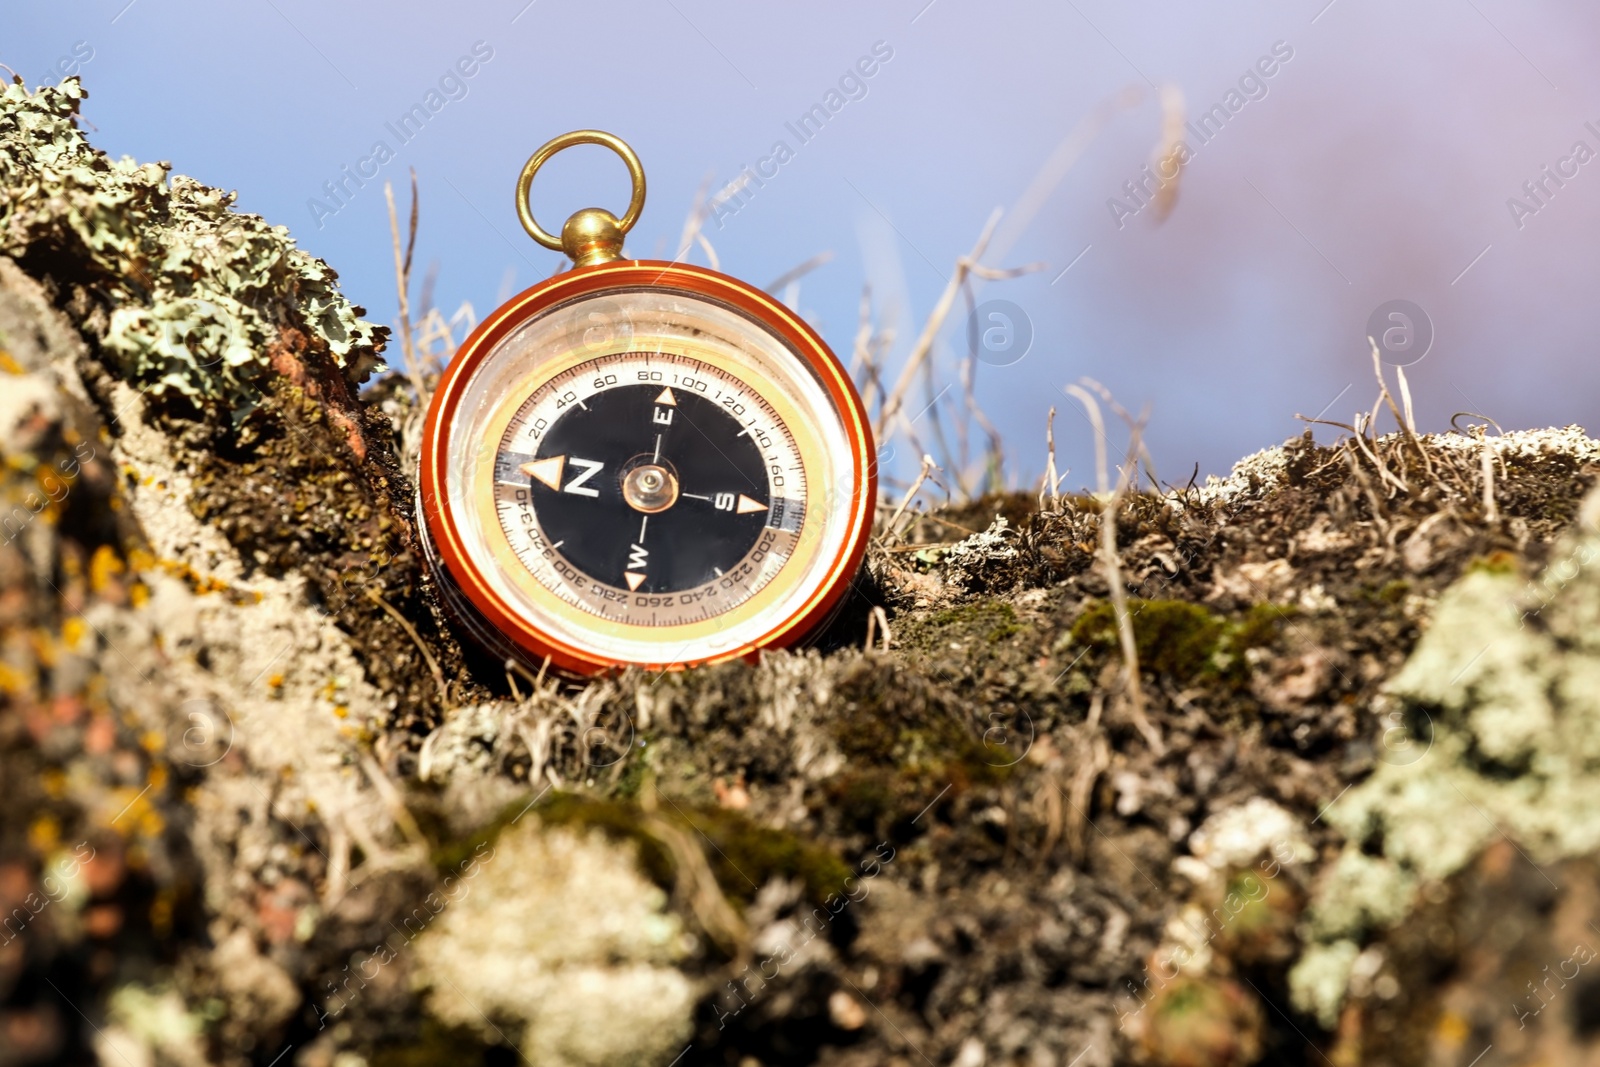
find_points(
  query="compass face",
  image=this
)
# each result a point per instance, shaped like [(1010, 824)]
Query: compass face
[(664, 481), (645, 474)]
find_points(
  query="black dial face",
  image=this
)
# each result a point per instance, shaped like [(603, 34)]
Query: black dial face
[(648, 486), (658, 472)]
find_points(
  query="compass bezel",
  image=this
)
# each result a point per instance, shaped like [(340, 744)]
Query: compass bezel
[(443, 528)]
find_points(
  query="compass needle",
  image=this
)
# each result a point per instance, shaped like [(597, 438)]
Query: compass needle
[(547, 442)]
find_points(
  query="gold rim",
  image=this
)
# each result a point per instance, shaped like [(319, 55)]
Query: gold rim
[(567, 140)]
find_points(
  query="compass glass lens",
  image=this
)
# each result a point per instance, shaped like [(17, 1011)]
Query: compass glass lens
[(650, 473)]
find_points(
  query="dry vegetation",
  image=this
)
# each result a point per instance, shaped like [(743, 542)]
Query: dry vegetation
[(1142, 774)]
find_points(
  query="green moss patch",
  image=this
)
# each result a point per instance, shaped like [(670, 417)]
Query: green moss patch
[(742, 854), (1182, 641), (1173, 638), (991, 619)]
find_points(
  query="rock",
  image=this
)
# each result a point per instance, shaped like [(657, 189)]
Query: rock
[(261, 805)]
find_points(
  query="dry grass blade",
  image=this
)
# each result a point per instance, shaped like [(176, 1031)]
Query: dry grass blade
[(1052, 483), (416, 638), (402, 281), (702, 209), (861, 351), (1405, 399), (794, 274), (923, 348), (1325, 422), (891, 532), (698, 210), (1371, 452), (1061, 161), (878, 623), (870, 345), (696, 884), (1136, 440), (1091, 765), (1403, 419), (411, 227), (1358, 470), (397, 806), (1111, 560), (1455, 425), (994, 455), (711, 253), (1490, 512), (1168, 153)]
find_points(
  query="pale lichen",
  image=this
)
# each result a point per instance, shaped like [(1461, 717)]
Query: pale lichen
[(1503, 693), (1260, 473), (1240, 835), (560, 942), (963, 562), (192, 295), (147, 1026)]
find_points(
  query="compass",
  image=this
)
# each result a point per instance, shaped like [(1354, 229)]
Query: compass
[(640, 462)]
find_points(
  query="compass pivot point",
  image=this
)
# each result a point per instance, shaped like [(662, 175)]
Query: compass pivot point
[(650, 489)]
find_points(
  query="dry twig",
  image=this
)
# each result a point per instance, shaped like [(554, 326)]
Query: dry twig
[(1052, 483), (402, 279), (877, 622), (923, 348), (1110, 499), (891, 532)]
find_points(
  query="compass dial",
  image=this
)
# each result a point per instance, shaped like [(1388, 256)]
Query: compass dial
[(647, 464), (648, 488)]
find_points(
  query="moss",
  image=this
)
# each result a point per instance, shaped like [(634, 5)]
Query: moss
[(1494, 563), (1203, 1022), (1173, 638), (434, 1045), (906, 742), (761, 853), (1260, 627), (739, 851), (1183, 641), (991, 620), (877, 800), (1385, 595), (887, 726), (1262, 914), (637, 770)]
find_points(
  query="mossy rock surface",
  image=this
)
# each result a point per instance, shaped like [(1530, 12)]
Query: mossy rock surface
[(262, 804)]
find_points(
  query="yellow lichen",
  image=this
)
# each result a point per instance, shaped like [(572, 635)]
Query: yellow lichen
[(103, 567), (44, 834), (73, 631)]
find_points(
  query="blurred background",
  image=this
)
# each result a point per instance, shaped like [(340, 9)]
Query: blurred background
[(1393, 153)]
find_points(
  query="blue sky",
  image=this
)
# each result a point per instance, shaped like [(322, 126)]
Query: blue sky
[(1378, 162)]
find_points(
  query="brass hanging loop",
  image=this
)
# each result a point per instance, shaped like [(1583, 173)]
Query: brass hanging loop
[(592, 235)]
